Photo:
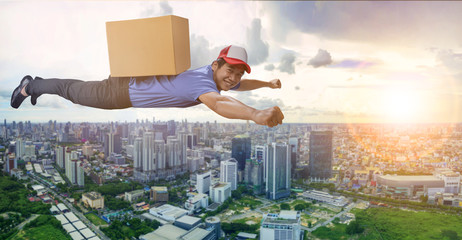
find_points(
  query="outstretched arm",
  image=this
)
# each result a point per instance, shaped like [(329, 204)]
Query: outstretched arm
[(229, 107), (251, 84)]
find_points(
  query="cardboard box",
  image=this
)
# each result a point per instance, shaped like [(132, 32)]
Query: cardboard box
[(149, 46)]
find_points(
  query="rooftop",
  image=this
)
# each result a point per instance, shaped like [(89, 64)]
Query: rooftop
[(165, 232), (93, 195), (196, 234), (159, 188), (188, 220)]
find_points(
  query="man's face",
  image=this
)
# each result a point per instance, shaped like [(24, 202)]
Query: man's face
[(227, 76)]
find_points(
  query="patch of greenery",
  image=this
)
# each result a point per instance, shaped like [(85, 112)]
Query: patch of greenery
[(399, 224), (43, 227), (336, 232), (14, 198), (129, 228), (95, 219)]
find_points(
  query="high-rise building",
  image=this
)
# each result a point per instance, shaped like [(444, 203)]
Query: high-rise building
[(254, 175), (161, 131), (228, 172), (160, 155), (278, 177), (320, 162), (183, 141), (173, 152), (203, 182), (138, 154), (148, 153), (20, 148), (241, 150), (293, 142), (260, 155), (192, 140), (61, 156), (282, 226), (112, 144), (11, 163), (74, 169)]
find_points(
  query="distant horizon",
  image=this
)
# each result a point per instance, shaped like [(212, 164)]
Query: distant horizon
[(244, 122)]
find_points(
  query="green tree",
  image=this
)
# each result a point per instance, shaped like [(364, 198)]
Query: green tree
[(299, 207), (354, 228), (285, 206)]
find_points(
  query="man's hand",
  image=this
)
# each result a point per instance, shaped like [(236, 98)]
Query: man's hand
[(270, 117), (275, 83)]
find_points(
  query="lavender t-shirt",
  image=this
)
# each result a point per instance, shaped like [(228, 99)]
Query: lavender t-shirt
[(181, 91)]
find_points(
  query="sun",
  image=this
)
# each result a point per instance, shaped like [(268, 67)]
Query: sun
[(401, 105)]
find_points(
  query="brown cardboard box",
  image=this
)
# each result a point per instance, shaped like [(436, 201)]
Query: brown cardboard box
[(149, 46)]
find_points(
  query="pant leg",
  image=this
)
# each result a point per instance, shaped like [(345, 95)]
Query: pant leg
[(111, 93)]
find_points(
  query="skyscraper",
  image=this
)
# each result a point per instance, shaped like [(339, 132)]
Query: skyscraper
[(293, 142), (61, 156), (260, 155), (254, 175), (241, 150), (320, 162), (112, 144), (138, 154), (278, 171), (173, 153), (148, 153), (228, 172)]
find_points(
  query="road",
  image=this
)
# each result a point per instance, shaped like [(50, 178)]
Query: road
[(347, 209), (87, 222), (31, 218)]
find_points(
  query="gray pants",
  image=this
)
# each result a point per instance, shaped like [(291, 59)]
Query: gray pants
[(111, 93)]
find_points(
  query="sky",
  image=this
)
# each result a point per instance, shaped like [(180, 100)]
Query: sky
[(339, 62)]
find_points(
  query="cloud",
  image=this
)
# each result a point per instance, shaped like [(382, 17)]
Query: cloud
[(451, 60), (322, 58), (166, 8), (257, 102), (154, 11), (287, 63), (350, 63), (344, 20), (269, 67), (5, 94), (257, 49), (366, 86), (201, 52)]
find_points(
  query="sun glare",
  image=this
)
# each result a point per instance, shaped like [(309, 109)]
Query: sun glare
[(401, 105)]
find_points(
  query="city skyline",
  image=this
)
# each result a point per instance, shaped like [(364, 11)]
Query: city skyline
[(335, 67)]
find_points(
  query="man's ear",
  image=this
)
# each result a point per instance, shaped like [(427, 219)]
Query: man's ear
[(214, 66)]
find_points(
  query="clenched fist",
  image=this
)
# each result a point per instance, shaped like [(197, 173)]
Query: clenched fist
[(275, 83), (270, 117)]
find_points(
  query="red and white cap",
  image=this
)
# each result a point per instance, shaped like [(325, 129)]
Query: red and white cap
[(235, 55)]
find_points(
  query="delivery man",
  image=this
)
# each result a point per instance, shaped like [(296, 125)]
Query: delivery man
[(190, 88)]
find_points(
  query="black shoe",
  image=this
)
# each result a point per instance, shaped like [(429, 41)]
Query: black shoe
[(33, 98), (17, 98)]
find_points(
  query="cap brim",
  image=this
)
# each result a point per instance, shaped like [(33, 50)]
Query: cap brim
[(234, 61)]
